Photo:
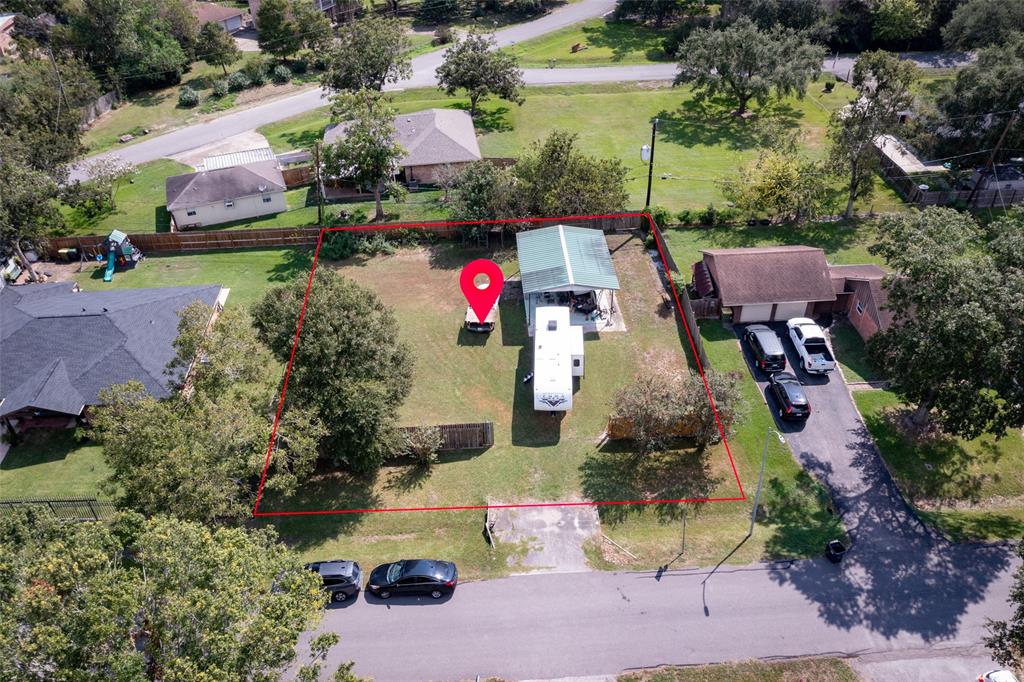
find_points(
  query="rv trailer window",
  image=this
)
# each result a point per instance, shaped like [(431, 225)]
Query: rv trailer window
[(552, 325)]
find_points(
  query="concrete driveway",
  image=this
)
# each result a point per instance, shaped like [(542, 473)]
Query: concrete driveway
[(835, 447)]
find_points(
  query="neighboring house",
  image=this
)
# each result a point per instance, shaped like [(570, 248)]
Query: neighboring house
[(59, 347), (6, 34), (567, 266), (777, 283), (432, 139), (226, 194), (231, 18), (328, 7), (239, 158), (1006, 177), (897, 153)]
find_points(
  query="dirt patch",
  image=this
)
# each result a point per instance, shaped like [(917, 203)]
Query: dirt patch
[(554, 536)]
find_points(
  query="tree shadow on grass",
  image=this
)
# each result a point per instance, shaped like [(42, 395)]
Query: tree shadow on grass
[(614, 473), (447, 256), (831, 237), (624, 37), (293, 263), (710, 123), (488, 119), (303, 139), (800, 515)]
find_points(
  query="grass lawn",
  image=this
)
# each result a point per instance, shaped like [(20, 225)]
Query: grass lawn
[(968, 489), (851, 354), (158, 110), (51, 463), (697, 144), (141, 204), (606, 43), (798, 670)]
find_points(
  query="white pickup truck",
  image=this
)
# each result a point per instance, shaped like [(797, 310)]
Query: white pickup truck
[(815, 357)]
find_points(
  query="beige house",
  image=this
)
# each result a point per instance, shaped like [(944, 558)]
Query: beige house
[(231, 18), (226, 194), (432, 139)]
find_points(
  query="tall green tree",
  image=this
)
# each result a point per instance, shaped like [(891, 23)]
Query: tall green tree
[(474, 65), (199, 454), (746, 63), (954, 350), (314, 26), (156, 599), (980, 23), (279, 35), (898, 20), (778, 184), (554, 177), (350, 365), (28, 210), (485, 191), (367, 152), (882, 81), (217, 47), (368, 54), (1006, 637), (656, 11)]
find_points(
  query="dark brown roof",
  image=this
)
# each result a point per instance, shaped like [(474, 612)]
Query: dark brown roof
[(235, 182), (208, 11), (773, 274)]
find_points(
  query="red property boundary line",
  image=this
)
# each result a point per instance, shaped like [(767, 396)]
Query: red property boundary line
[(295, 343)]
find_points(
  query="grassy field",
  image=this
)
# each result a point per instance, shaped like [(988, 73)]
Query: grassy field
[(971, 490), (697, 143), (51, 463), (605, 43), (851, 354), (799, 670)]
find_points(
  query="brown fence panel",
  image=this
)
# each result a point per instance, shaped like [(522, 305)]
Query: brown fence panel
[(706, 308), (463, 436), (301, 175)]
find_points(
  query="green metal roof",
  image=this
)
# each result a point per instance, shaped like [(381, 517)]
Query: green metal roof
[(563, 256)]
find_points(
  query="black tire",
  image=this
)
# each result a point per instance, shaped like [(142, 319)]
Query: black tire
[(437, 594), (384, 594), (339, 597)]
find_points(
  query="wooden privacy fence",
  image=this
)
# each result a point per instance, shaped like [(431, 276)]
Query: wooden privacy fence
[(293, 177), (217, 240), (462, 436), (907, 187), (64, 508)]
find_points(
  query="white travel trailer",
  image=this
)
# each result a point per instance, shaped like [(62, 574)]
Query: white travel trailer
[(554, 362)]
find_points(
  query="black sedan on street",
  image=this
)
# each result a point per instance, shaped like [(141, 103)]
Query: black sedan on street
[(413, 576), (789, 396)]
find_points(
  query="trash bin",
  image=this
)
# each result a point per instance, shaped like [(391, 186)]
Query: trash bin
[(835, 550)]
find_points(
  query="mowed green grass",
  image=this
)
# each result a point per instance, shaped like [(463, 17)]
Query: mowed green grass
[(51, 463), (969, 489), (697, 143), (605, 43), (799, 670), (852, 355)]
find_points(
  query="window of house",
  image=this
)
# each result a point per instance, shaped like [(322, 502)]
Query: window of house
[(860, 308), (267, 198), (190, 212), (576, 363), (229, 203)]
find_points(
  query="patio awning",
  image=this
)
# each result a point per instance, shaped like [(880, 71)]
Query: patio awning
[(565, 257)]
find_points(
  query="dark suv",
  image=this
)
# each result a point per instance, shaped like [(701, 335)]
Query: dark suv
[(341, 578), (767, 348), (790, 397)]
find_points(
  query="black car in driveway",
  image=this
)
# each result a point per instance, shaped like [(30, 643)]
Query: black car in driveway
[(769, 355), (341, 579), (413, 576), (789, 396)]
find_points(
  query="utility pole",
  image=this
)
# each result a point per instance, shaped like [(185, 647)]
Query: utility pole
[(760, 476), (319, 186), (650, 163), (992, 156)]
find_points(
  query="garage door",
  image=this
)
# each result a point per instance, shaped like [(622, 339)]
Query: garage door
[(785, 311), (754, 313), (233, 24)]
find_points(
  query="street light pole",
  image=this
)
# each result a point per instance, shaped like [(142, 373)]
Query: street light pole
[(650, 163), (760, 476)]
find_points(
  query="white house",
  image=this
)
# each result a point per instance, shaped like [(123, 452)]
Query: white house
[(226, 194), (557, 358)]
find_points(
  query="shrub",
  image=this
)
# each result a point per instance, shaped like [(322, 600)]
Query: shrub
[(300, 66), (443, 35), (220, 88), (650, 241), (438, 11), (256, 71), (187, 97), (238, 81), (339, 245), (726, 216), (422, 443), (709, 216), (527, 7), (687, 217), (661, 216), (281, 75)]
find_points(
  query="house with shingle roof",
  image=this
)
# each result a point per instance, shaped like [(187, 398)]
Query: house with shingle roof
[(60, 347), (222, 195), (777, 283), (431, 139), (231, 18)]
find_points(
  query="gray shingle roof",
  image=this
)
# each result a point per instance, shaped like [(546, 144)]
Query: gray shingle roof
[(563, 256), (771, 274), (207, 187), (60, 348), (430, 137)]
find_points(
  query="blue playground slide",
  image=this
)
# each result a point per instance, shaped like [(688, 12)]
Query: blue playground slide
[(108, 276)]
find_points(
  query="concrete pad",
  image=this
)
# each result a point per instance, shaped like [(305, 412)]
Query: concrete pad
[(247, 40), (250, 139), (964, 668), (554, 535)]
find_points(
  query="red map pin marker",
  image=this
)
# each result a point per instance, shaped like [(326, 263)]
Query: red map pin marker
[(481, 297)]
